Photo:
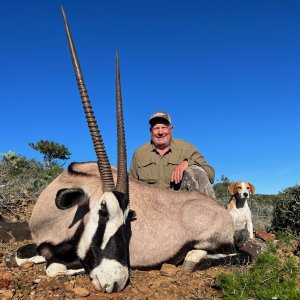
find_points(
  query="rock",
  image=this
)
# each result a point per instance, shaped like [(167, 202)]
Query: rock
[(37, 281), (59, 280), (81, 280), (5, 284), (9, 260), (14, 230), (81, 292), (7, 295), (4, 236), (69, 286), (168, 270), (265, 236), (253, 247), (7, 276), (2, 219), (27, 265)]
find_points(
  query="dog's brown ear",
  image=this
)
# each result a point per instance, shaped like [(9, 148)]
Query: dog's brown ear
[(252, 188), (231, 188)]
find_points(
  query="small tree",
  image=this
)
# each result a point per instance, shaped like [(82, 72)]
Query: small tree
[(8, 156), (221, 190), (51, 151)]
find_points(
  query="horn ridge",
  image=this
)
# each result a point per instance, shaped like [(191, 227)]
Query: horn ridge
[(122, 179), (102, 158)]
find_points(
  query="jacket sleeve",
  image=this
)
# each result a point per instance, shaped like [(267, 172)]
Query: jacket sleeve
[(133, 171)]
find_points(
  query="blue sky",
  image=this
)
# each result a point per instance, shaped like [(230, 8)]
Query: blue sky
[(228, 72)]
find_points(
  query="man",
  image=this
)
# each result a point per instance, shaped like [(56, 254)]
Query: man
[(168, 162)]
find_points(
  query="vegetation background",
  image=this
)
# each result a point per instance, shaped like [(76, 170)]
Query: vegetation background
[(276, 273)]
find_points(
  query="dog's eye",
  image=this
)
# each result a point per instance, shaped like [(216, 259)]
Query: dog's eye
[(248, 188), (239, 187)]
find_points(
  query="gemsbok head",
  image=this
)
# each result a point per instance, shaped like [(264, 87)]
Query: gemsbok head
[(100, 242)]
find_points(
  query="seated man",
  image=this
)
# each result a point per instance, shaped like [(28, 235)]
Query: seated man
[(168, 162)]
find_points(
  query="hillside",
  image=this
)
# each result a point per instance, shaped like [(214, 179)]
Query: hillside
[(21, 181)]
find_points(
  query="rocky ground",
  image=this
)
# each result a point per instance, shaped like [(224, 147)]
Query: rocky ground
[(170, 282), (30, 282)]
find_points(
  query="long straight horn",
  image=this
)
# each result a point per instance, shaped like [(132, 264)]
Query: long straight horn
[(103, 162), (122, 181)]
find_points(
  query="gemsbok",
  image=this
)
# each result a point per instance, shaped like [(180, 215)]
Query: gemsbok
[(81, 222)]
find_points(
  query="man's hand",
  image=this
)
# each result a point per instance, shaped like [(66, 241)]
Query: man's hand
[(177, 173)]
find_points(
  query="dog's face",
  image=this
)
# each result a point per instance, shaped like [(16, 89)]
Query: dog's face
[(241, 189)]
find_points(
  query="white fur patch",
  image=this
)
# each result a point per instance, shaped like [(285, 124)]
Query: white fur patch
[(109, 273), (245, 189), (219, 255), (195, 255), (38, 259), (192, 258), (116, 219), (56, 269), (86, 238)]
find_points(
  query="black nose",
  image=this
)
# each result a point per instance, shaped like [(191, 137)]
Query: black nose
[(245, 194)]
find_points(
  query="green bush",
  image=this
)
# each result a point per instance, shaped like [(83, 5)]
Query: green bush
[(286, 212), (221, 190), (268, 278), (261, 207), (22, 180)]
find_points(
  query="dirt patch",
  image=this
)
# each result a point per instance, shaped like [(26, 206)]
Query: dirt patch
[(171, 282), (168, 283)]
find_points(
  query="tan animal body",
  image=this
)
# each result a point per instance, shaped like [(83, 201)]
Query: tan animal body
[(238, 205), (167, 226)]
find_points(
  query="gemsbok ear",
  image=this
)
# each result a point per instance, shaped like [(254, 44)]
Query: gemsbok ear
[(231, 188), (252, 188), (67, 198)]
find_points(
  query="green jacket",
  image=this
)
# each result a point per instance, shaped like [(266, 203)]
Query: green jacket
[(148, 166)]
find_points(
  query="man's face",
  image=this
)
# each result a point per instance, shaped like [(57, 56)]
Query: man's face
[(161, 134)]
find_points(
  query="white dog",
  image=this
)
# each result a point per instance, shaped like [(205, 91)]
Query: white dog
[(238, 206)]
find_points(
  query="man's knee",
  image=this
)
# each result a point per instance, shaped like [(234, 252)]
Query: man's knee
[(196, 179), (195, 174)]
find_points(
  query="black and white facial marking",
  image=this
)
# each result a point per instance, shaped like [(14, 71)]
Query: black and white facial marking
[(103, 246)]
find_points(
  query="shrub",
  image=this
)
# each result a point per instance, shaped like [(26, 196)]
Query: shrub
[(261, 207), (221, 190), (287, 211), (22, 180), (269, 278)]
